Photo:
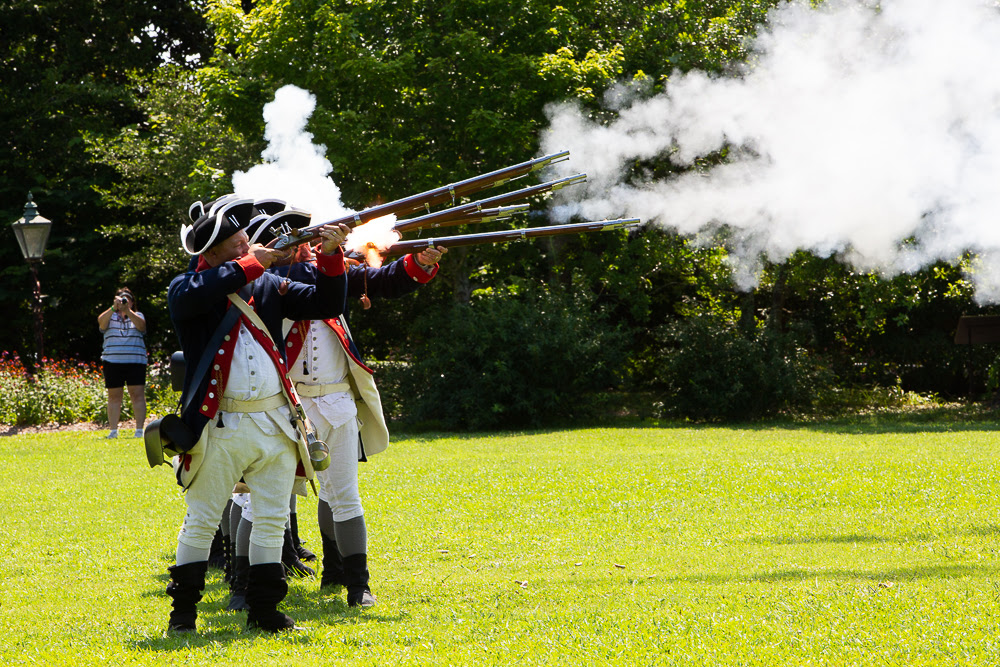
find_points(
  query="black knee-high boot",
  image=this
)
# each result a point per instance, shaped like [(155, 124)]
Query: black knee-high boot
[(294, 566), (228, 540), (229, 547), (303, 553), (356, 576), (266, 588), (186, 584), (217, 555), (333, 564), (238, 584)]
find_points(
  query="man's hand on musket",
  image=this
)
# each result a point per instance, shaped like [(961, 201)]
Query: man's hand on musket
[(268, 256), (428, 257), (333, 236)]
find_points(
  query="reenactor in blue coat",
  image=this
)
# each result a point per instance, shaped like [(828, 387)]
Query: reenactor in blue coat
[(239, 405)]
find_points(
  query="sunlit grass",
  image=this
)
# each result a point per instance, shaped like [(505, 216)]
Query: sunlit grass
[(864, 542)]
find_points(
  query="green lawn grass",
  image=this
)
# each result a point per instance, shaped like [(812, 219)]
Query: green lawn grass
[(841, 543)]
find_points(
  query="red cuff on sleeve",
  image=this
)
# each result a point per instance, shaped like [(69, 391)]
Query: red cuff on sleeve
[(331, 265), (414, 271), (251, 267)]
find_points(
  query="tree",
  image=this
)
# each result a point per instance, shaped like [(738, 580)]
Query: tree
[(64, 68), (412, 95), (878, 330), (181, 152)]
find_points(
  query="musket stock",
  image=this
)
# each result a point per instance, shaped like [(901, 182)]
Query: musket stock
[(416, 245), (448, 193)]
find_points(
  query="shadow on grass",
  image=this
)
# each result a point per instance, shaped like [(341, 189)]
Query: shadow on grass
[(985, 531), (889, 424), (936, 419), (893, 575), (851, 538), (316, 613), (861, 538), (925, 420), (941, 419)]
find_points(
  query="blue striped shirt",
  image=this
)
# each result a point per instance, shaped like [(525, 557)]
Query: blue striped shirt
[(123, 343)]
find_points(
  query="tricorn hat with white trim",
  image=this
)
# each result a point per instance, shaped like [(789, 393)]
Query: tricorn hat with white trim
[(218, 223), (269, 206), (198, 209), (261, 227)]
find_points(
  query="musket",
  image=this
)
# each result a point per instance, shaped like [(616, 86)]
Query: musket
[(424, 200), (416, 245), (485, 215), (471, 216), (453, 216)]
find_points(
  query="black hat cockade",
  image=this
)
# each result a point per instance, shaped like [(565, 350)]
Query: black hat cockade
[(263, 229), (219, 220)]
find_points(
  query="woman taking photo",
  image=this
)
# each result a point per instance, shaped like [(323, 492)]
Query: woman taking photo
[(124, 359)]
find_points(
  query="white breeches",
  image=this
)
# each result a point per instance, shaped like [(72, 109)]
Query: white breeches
[(338, 484), (267, 464)]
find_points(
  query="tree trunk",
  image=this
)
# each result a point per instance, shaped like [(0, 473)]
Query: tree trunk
[(776, 318), (461, 287)]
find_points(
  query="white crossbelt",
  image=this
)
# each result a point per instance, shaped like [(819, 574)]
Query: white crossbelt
[(314, 390), (257, 405)]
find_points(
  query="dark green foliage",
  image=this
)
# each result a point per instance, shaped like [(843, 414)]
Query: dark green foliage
[(64, 70), (712, 370), (411, 95), (877, 330), (694, 34), (513, 362)]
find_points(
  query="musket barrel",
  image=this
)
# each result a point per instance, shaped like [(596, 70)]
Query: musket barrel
[(416, 245), (486, 215), (427, 199), (467, 213), (437, 219)]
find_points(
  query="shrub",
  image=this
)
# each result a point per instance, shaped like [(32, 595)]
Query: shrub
[(713, 371), (391, 378), (504, 361), (872, 400), (161, 399), (67, 392), (61, 392)]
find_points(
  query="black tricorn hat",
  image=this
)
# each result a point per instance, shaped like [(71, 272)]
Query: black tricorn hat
[(222, 220), (198, 209), (269, 206), (213, 206), (263, 209), (261, 227)]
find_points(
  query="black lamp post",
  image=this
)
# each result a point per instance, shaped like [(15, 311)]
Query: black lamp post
[(32, 232)]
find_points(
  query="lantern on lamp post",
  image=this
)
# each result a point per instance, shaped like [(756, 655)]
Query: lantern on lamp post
[(32, 232)]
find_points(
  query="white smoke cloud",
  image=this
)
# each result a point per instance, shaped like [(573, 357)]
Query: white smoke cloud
[(854, 128), (294, 169)]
